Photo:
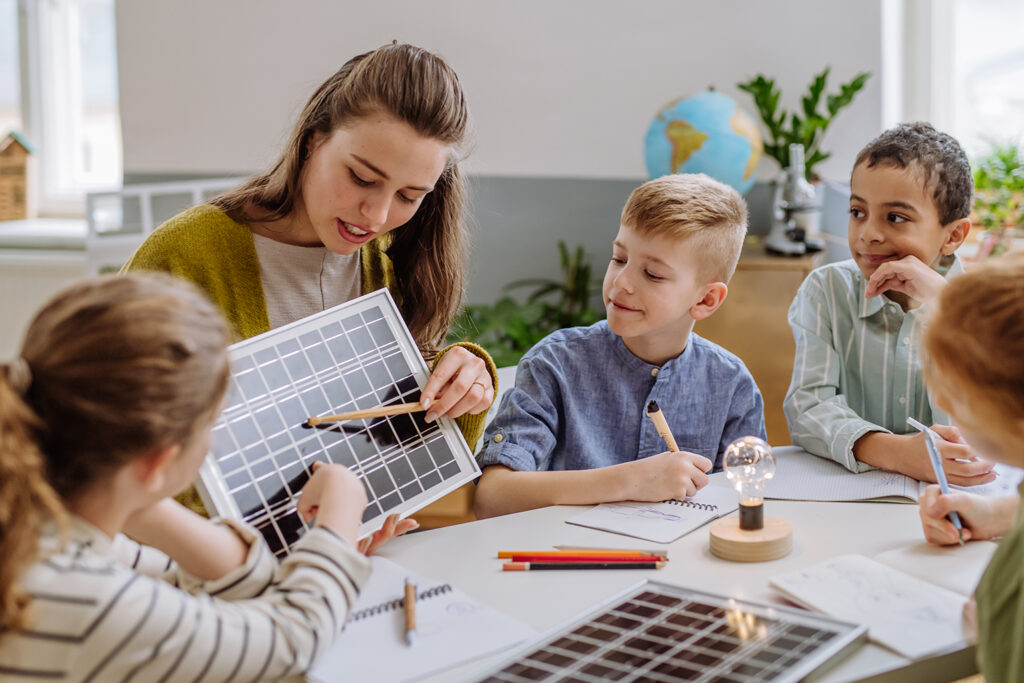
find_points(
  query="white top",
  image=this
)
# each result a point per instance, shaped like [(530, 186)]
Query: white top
[(106, 610), (300, 281)]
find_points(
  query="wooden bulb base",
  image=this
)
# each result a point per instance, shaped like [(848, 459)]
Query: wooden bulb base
[(730, 542)]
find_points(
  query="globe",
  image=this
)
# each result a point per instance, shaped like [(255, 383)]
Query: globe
[(705, 133)]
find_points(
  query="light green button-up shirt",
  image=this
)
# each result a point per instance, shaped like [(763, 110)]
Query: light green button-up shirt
[(857, 367)]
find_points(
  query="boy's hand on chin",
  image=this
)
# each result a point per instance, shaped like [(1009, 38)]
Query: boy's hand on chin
[(668, 475), (909, 276)]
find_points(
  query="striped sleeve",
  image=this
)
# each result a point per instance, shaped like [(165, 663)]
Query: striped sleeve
[(820, 419), (253, 577), (111, 623)]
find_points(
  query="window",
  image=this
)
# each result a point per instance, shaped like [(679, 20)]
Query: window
[(68, 73), (988, 73), (958, 64), (10, 94)]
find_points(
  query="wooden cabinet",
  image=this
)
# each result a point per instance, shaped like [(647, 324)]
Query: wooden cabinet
[(752, 324)]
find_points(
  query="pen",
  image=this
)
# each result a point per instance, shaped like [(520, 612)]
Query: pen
[(654, 412), (410, 612), (940, 474)]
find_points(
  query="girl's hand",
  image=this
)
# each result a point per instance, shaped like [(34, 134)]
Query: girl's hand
[(336, 498), (909, 276), (392, 527), (460, 384)]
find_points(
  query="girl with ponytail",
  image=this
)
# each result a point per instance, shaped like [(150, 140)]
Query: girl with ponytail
[(104, 414)]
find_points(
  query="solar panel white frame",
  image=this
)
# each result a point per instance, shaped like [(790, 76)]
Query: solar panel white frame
[(836, 637), (354, 356)]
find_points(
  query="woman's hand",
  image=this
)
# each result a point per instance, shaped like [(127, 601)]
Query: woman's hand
[(392, 527), (460, 384), (336, 498)]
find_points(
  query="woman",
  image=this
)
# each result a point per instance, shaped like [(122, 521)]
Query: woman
[(366, 194)]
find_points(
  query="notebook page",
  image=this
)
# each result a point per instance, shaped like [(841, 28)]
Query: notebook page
[(451, 629), (802, 476), (903, 613), (660, 522), (957, 568)]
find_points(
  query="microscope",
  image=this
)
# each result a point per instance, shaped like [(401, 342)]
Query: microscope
[(796, 211)]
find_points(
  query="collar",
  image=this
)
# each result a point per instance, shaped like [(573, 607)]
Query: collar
[(948, 267), (631, 363), (79, 532)]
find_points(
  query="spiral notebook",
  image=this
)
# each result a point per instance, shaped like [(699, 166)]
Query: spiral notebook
[(451, 629), (660, 522)]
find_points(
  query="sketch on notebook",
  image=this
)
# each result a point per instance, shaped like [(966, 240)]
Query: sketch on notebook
[(641, 512)]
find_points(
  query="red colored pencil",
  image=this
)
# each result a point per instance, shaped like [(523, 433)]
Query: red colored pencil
[(593, 552), (585, 558), (535, 566)]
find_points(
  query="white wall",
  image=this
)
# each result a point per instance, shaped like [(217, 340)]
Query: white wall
[(562, 88)]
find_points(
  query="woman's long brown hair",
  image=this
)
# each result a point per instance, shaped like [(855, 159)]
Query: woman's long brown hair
[(117, 367), (418, 88)]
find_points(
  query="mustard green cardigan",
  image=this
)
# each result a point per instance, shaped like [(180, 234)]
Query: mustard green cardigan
[(217, 253)]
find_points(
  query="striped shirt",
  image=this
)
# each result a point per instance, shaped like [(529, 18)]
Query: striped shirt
[(857, 367), (112, 610)]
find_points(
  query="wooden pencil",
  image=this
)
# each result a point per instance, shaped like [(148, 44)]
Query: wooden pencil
[(380, 411), (577, 552), (595, 549), (535, 566)]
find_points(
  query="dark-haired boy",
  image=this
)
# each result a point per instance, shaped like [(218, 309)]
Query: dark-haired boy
[(857, 374)]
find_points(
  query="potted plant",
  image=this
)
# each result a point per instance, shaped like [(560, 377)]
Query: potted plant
[(999, 196), (508, 328), (807, 126)]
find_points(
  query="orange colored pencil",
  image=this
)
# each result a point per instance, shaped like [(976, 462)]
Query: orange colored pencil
[(508, 554), (574, 557)]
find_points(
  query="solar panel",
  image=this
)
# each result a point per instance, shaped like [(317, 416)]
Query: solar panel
[(658, 632), (354, 356)]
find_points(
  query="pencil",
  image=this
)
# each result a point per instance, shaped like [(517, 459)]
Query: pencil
[(380, 411), (940, 475), (410, 612), (586, 558), (536, 566), (654, 412), (591, 552), (589, 548)]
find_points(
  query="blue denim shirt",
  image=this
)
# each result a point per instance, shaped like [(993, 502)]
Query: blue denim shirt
[(580, 403)]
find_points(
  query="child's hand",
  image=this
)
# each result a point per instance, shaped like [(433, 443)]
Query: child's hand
[(459, 384), (392, 527), (909, 276), (982, 518), (667, 475), (961, 466), (336, 498)]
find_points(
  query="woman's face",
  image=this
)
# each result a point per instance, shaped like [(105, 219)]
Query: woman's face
[(364, 180)]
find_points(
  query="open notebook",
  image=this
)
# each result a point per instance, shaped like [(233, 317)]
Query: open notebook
[(915, 610), (660, 522), (451, 629), (802, 476)]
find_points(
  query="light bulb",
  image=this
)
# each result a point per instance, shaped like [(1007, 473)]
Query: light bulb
[(749, 466)]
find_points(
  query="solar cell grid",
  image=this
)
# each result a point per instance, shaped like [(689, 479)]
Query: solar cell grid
[(357, 355), (666, 633)]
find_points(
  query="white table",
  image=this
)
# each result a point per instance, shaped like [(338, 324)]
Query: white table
[(465, 556)]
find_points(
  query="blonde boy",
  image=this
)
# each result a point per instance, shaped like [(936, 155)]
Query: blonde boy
[(573, 430), (857, 374)]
